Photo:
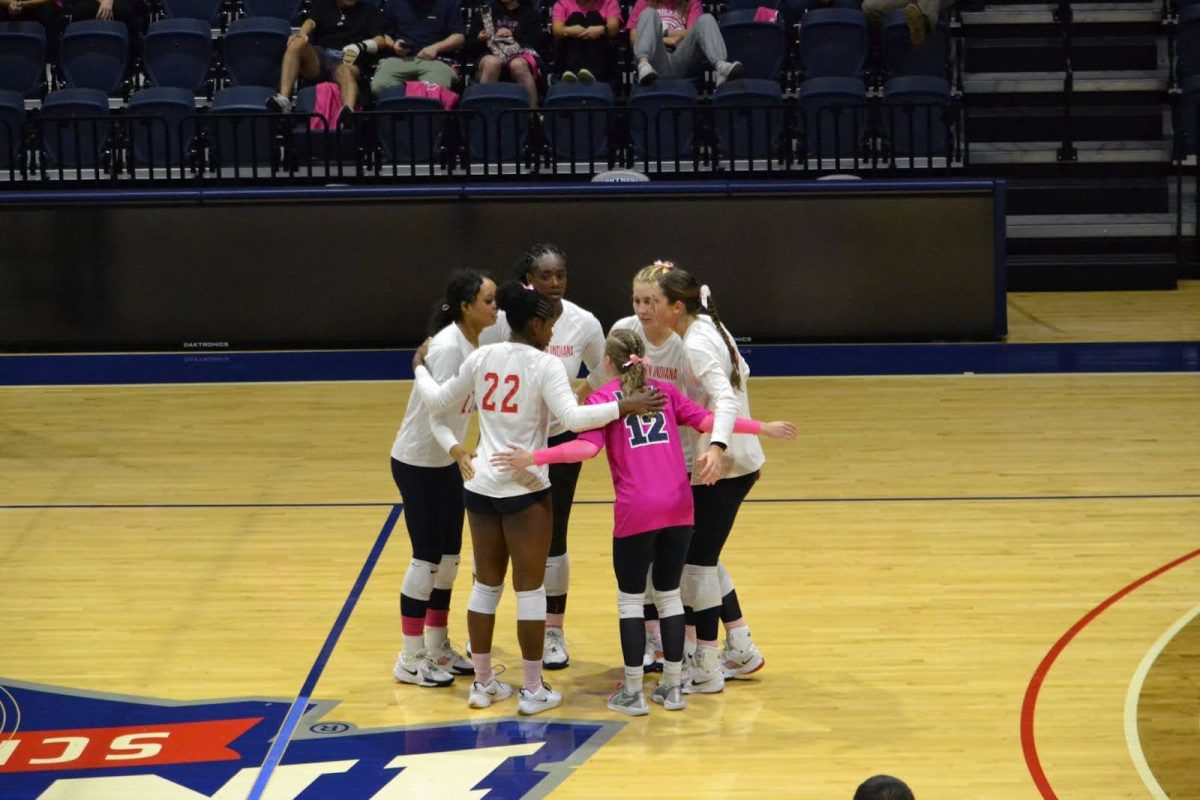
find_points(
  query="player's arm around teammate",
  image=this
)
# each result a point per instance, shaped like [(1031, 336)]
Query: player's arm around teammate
[(429, 466)]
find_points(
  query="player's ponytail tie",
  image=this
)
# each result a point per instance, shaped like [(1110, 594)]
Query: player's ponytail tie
[(635, 359), (664, 264), (527, 287), (705, 294), (445, 306)]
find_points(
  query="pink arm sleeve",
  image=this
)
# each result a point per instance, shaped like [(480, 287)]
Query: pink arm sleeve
[(566, 453), (741, 425)]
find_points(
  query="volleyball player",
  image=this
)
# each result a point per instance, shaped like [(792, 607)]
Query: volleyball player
[(429, 466), (578, 339), (715, 376), (653, 510), (517, 386)]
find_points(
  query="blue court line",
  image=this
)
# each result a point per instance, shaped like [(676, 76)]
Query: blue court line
[(292, 719), (984, 498)]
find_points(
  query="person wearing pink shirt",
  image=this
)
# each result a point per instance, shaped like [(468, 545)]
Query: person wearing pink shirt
[(584, 35), (653, 512), (675, 39)]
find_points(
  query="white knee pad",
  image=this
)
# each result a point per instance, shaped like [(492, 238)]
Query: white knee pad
[(447, 571), (558, 575), (668, 603), (725, 579), (418, 581), (700, 587), (531, 605), (629, 605), (484, 598)]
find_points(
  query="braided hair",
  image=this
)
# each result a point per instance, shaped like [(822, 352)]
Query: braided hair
[(463, 286), (681, 286), (521, 303), (524, 266), (619, 346)]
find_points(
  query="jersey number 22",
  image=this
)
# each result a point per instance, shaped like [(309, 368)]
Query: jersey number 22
[(507, 406)]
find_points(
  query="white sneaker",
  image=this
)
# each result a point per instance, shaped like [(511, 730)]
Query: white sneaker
[(727, 71), (646, 74), (704, 676), (652, 660), (736, 662), (554, 654), (483, 696), (420, 670), (279, 104), (543, 699), (624, 701), (450, 660), (669, 697)]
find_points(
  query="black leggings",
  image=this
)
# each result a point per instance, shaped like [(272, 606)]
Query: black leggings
[(599, 56), (632, 556), (563, 478), (716, 509), (433, 509)]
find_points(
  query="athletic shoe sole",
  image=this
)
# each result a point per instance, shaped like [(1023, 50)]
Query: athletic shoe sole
[(414, 679), (528, 708), (733, 673)]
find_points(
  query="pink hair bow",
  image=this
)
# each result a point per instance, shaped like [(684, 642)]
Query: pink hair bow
[(636, 359), (664, 264)]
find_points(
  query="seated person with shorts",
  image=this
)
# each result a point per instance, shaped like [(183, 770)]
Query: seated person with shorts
[(420, 33), (329, 43)]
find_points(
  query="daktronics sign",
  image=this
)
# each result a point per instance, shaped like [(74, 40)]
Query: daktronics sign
[(129, 747)]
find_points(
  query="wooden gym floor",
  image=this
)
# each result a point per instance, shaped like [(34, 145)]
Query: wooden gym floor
[(986, 585)]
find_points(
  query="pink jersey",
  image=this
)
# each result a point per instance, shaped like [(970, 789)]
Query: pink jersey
[(645, 457)]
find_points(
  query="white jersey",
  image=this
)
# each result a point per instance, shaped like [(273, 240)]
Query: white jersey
[(666, 359), (517, 389), (577, 339), (706, 380), (424, 440)]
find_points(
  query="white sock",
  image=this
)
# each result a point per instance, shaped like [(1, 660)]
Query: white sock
[(633, 679), (435, 638), (414, 645), (672, 673), (738, 638)]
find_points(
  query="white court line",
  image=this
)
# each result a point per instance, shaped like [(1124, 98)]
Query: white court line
[(1131, 704), (16, 713)]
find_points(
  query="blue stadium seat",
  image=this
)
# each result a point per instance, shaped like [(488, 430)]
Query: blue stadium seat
[(177, 53), (241, 138), (751, 5), (663, 120), (834, 111), (253, 49), (1187, 115), (901, 58), (1187, 46), (409, 138), (286, 10), (206, 10), (760, 46), (22, 56), (497, 131), (748, 117), (164, 133), (12, 120), (833, 43), (95, 54), (577, 122), (74, 128), (915, 116)]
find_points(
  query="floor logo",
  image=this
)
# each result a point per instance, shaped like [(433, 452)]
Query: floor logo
[(58, 743)]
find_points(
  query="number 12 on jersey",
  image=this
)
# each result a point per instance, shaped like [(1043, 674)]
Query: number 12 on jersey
[(507, 406)]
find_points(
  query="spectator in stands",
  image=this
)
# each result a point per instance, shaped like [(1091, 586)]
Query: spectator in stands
[(584, 33), (134, 14), (420, 33), (47, 12), (883, 787), (506, 34), (333, 36), (674, 39), (921, 15)]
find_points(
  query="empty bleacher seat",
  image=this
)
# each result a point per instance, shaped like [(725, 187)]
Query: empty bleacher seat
[(411, 132), (240, 132), (22, 56), (12, 120), (760, 46), (499, 126), (748, 118), (207, 10), (177, 53), (577, 120), (834, 111), (162, 126), (833, 43), (253, 49), (901, 58), (662, 119), (1187, 116), (74, 128), (1188, 42), (915, 116), (95, 54)]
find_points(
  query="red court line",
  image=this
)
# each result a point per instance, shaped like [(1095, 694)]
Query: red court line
[(1028, 744)]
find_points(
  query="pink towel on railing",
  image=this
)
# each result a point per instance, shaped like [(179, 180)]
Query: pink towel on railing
[(329, 105), (764, 14), (447, 98)]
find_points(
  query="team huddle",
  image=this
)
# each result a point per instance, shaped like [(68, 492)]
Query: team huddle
[(665, 398)]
